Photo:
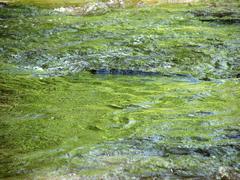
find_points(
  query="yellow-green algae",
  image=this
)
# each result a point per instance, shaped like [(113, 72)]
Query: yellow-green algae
[(79, 125), (194, 39), (94, 125)]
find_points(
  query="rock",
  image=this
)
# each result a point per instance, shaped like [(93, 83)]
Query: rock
[(99, 7), (65, 9), (92, 8), (115, 3)]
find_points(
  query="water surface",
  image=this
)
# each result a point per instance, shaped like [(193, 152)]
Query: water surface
[(150, 92), (119, 126)]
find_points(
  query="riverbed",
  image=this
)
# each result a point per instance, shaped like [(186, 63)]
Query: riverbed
[(141, 92)]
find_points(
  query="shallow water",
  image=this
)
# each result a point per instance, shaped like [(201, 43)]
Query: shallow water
[(135, 93), (120, 126)]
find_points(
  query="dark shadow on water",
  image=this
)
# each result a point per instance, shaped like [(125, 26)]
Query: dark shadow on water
[(129, 72), (124, 72), (222, 21)]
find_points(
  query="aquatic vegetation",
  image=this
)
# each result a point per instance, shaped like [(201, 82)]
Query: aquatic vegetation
[(74, 123), (166, 39), (147, 92)]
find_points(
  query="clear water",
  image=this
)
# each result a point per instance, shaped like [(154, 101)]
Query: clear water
[(151, 117), (120, 126)]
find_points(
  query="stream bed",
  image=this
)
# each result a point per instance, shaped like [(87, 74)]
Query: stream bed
[(136, 93), (119, 126)]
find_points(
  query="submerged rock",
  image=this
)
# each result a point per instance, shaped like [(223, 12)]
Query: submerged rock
[(137, 39), (92, 8), (151, 157)]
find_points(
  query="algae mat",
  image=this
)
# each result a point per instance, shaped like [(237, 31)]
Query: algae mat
[(118, 126), (186, 39), (163, 102)]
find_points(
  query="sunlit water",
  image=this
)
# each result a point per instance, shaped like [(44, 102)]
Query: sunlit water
[(121, 126), (140, 93)]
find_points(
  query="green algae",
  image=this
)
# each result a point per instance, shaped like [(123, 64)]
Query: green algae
[(57, 120), (70, 122), (166, 38)]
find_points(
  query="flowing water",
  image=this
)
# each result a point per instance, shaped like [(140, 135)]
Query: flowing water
[(108, 96)]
